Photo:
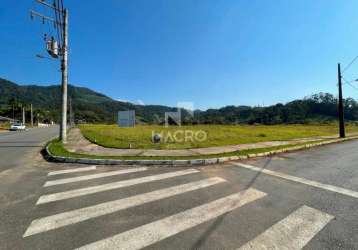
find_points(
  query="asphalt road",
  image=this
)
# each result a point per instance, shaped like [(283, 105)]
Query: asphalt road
[(301, 200), (18, 147)]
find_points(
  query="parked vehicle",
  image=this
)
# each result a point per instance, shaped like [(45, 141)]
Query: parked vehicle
[(17, 126)]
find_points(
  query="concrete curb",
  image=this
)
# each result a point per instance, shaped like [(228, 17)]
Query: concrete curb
[(194, 162)]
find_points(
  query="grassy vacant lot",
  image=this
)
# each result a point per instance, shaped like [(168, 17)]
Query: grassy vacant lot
[(4, 125), (217, 135)]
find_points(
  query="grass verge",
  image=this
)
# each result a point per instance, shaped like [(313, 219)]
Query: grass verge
[(4, 125), (56, 148)]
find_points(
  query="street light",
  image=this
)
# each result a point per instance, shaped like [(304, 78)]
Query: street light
[(43, 57)]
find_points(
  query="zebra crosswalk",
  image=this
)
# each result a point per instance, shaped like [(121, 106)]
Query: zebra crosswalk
[(70, 171), (67, 218), (110, 186), (292, 232), (92, 176), (158, 230)]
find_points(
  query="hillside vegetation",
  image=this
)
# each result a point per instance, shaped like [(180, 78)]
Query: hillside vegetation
[(88, 105), (92, 107)]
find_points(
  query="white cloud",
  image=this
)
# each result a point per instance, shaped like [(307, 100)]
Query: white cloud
[(140, 102), (121, 100)]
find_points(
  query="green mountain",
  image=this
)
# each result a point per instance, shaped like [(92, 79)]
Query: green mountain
[(92, 107), (87, 105)]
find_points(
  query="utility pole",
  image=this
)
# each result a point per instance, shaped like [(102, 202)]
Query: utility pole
[(64, 69), (23, 116), (58, 49), (32, 116), (342, 133)]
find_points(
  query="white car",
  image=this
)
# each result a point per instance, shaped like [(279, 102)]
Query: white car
[(17, 126)]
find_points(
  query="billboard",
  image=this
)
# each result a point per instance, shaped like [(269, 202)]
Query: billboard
[(126, 118)]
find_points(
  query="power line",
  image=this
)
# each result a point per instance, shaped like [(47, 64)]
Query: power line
[(353, 86), (57, 25), (346, 81), (350, 64), (60, 20), (342, 132), (349, 83), (62, 9)]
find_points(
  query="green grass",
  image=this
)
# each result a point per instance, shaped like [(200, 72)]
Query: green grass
[(217, 135), (4, 125), (56, 148)]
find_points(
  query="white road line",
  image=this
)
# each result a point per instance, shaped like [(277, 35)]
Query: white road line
[(110, 186), (302, 180), (93, 176), (75, 170), (293, 232), (82, 214), (156, 231)]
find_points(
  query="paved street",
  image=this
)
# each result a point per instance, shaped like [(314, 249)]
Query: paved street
[(21, 146), (301, 200)]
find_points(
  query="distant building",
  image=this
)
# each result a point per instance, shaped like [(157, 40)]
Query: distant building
[(126, 118)]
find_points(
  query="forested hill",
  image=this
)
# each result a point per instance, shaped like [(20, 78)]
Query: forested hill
[(87, 104), (318, 108), (91, 106)]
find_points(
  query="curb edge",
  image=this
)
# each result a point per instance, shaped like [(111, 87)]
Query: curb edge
[(194, 162)]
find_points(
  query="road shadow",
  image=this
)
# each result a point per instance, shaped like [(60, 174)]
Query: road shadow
[(199, 243)]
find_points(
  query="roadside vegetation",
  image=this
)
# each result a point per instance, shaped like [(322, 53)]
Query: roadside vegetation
[(4, 125), (140, 137), (92, 107), (56, 148)]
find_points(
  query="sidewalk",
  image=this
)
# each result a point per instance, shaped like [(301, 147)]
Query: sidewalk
[(76, 143)]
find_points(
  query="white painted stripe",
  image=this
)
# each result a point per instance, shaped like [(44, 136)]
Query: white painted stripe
[(93, 176), (110, 186), (293, 232), (82, 214), (156, 231), (74, 170), (302, 180)]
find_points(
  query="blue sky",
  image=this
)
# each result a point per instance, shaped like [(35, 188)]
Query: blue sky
[(210, 52)]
